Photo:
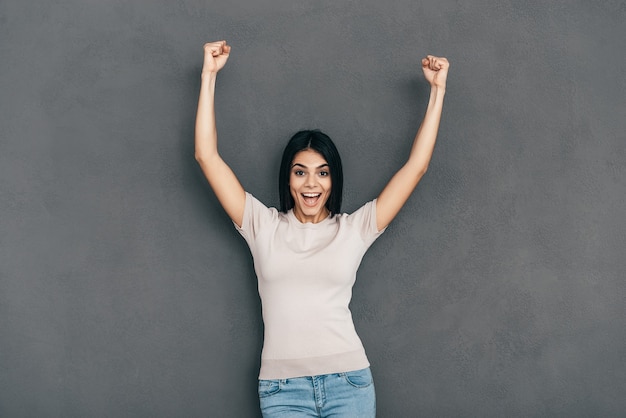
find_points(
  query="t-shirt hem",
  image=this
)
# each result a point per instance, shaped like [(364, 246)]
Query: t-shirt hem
[(313, 366)]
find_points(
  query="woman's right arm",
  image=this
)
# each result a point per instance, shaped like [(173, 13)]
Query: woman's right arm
[(223, 181)]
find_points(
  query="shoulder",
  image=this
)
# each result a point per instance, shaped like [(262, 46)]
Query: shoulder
[(365, 211), (257, 214), (255, 205), (362, 220)]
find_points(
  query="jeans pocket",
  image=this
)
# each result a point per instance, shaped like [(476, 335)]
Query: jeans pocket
[(359, 378), (268, 388)]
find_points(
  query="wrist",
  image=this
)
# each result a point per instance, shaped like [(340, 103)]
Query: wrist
[(441, 90), (209, 75)]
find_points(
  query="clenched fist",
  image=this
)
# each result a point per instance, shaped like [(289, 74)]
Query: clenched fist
[(215, 56), (435, 70)]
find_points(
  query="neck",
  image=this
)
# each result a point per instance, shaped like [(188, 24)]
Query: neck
[(315, 218)]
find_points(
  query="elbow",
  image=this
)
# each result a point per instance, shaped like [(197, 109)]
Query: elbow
[(201, 156), (421, 171), (206, 159), (418, 166)]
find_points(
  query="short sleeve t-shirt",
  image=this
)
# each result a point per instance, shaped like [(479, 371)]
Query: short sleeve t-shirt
[(305, 275)]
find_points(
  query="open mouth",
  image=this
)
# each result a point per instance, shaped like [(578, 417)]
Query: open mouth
[(310, 199)]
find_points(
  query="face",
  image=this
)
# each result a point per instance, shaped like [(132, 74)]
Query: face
[(310, 186)]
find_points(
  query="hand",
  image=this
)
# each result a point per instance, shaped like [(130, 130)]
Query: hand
[(435, 70), (215, 56)]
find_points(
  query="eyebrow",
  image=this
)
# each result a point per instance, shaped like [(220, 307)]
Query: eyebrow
[(304, 166)]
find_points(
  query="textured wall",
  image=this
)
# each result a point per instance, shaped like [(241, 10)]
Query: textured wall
[(498, 291)]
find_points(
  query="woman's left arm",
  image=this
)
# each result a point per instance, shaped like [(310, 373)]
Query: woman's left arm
[(402, 184)]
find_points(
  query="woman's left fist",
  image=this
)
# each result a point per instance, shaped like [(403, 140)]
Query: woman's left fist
[(435, 70)]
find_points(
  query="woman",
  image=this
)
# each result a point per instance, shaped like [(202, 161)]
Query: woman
[(306, 255)]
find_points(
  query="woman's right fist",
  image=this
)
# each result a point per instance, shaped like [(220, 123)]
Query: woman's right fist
[(215, 56)]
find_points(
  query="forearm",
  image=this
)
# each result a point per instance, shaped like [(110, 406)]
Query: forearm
[(424, 143), (206, 130)]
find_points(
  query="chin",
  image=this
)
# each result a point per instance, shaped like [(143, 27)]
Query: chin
[(311, 211)]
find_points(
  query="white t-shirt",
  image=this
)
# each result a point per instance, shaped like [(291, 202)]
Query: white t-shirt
[(305, 276)]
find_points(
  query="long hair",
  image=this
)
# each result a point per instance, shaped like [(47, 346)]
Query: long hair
[(319, 142)]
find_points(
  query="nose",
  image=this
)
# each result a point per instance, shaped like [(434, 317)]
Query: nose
[(310, 180)]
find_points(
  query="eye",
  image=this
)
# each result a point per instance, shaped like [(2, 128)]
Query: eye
[(298, 173), (324, 173)]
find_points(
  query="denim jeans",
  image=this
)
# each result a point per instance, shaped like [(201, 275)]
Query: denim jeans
[(339, 395)]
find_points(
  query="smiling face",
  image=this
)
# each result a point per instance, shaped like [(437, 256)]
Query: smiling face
[(310, 186)]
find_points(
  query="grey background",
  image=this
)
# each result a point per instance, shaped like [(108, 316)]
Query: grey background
[(498, 291)]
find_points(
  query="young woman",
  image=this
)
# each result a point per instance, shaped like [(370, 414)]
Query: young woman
[(307, 253)]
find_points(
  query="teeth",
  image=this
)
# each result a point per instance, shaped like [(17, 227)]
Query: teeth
[(311, 194)]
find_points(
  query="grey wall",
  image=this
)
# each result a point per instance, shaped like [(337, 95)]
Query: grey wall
[(498, 291)]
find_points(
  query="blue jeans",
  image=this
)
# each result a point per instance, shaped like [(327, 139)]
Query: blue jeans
[(340, 395)]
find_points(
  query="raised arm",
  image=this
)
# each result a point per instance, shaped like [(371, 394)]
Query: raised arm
[(223, 181), (402, 184)]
